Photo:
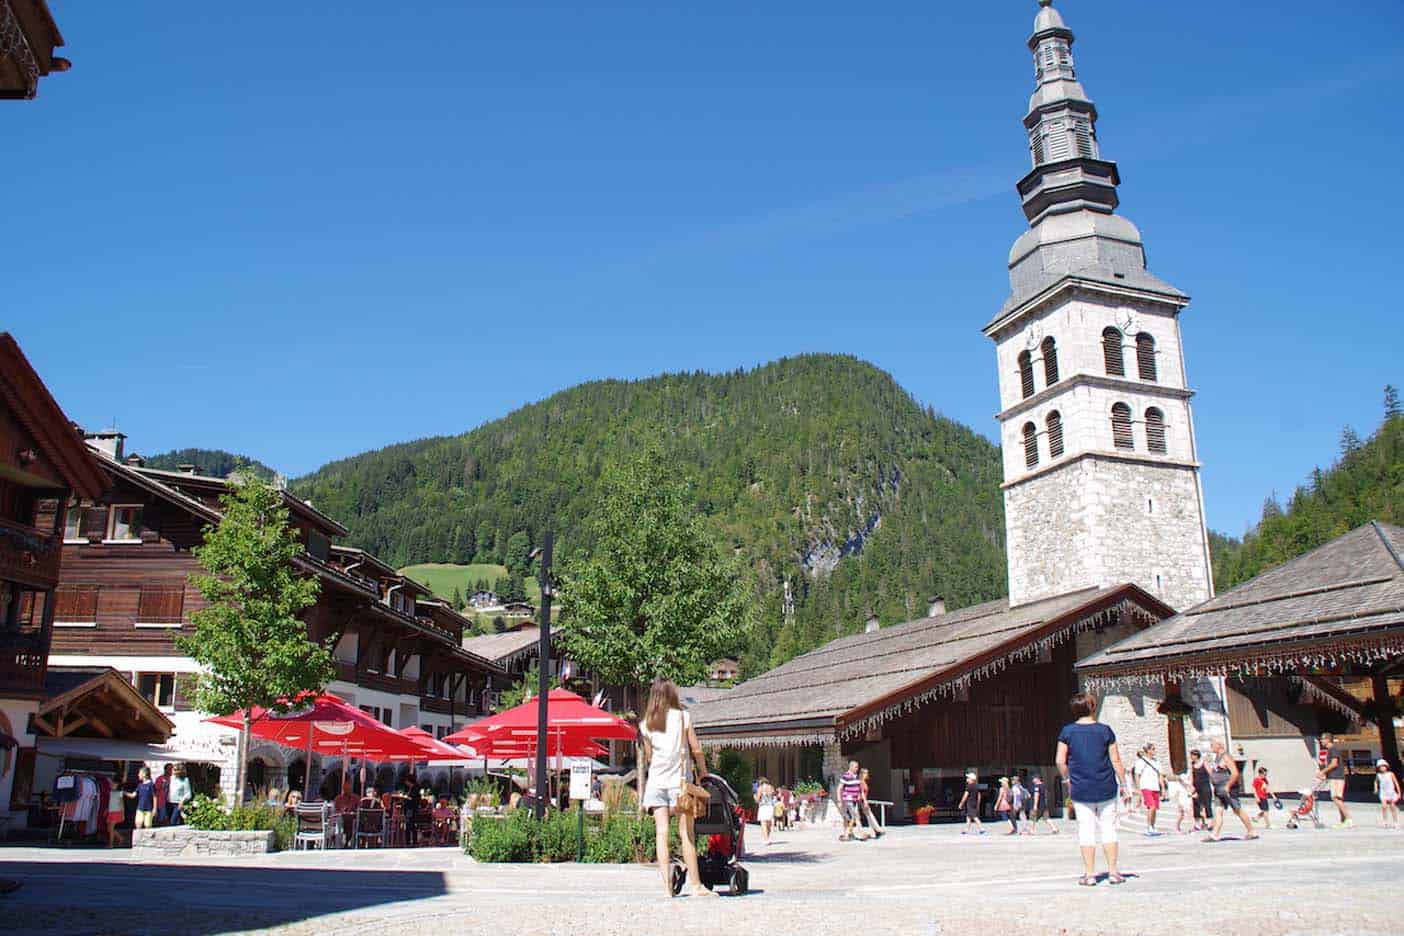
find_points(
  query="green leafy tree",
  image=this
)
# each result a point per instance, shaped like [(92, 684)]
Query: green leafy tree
[(250, 638), (458, 603), (657, 597), (518, 548), (524, 689)]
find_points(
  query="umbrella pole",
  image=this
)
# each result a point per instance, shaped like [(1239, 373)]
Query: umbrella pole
[(307, 778)]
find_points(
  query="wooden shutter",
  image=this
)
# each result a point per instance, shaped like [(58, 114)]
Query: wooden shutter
[(1055, 435), (1121, 427), (161, 604), (1155, 431), (1050, 361), (1111, 352), (1026, 380), (76, 603), (1030, 445), (1145, 356)]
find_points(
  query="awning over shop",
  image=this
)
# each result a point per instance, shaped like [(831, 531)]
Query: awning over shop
[(111, 749)]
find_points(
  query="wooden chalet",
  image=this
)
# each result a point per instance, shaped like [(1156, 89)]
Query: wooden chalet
[(1314, 644), (984, 688), (125, 594), (43, 463), (28, 38)]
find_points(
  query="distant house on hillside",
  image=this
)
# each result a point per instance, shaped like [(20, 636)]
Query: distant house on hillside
[(484, 601), (724, 670), (518, 609)]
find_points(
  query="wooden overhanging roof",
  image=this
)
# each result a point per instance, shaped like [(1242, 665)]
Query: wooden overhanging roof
[(41, 416), (505, 647), (97, 702), (1340, 603), (857, 682), (208, 484)]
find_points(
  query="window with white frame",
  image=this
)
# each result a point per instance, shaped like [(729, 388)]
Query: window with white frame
[(124, 524), (76, 522)]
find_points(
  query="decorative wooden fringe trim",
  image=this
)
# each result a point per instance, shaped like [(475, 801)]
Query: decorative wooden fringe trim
[(791, 740)]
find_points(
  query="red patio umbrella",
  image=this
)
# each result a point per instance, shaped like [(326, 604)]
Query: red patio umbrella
[(567, 714), (433, 748), (326, 724)]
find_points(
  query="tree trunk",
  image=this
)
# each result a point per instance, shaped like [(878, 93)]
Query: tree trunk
[(1384, 707), (242, 753)]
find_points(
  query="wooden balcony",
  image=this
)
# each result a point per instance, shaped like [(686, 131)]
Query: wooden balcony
[(28, 556), (22, 661)]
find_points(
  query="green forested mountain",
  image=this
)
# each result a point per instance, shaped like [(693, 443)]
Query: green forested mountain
[(217, 463), (819, 471), (1366, 483)]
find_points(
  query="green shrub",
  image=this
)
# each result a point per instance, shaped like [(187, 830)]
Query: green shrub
[(205, 813), (208, 814), (511, 838), (559, 836)]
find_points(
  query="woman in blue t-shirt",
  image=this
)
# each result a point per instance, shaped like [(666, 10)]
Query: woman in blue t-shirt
[(1089, 760)]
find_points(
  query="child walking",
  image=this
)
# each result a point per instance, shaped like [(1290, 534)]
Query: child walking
[(1387, 787)]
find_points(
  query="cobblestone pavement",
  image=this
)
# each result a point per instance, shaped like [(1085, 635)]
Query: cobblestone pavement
[(914, 881)]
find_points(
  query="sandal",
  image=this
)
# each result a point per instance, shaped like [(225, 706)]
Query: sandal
[(1249, 838), (1115, 878), (1087, 880)]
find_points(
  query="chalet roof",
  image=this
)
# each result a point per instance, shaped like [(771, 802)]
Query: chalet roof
[(360, 555), (695, 695), (86, 701), (504, 647), (856, 682), (35, 408), (1343, 601), (215, 485)]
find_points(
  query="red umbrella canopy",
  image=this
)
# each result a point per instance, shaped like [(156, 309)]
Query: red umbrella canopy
[(325, 724), (514, 748), (567, 715), (433, 748)]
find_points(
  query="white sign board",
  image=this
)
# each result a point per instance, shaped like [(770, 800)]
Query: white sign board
[(580, 778)]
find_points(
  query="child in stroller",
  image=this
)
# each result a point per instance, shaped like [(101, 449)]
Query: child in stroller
[(1306, 806), (722, 828)]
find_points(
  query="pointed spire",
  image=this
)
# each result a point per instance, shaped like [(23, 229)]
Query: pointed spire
[(1068, 171)]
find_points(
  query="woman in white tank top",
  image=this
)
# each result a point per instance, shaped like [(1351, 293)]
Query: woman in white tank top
[(669, 745)]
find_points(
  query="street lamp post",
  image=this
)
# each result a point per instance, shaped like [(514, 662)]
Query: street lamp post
[(543, 676)]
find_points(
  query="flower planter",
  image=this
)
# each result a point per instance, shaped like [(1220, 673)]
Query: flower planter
[(922, 818), (185, 842)]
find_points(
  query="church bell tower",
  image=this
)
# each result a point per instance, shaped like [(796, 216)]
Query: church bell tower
[(1101, 474)]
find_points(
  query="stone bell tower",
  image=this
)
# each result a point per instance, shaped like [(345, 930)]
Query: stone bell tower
[(1101, 475)]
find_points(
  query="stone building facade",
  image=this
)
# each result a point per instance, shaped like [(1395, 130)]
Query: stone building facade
[(1101, 472)]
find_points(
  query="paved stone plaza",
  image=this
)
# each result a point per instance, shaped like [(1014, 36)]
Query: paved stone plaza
[(913, 881)]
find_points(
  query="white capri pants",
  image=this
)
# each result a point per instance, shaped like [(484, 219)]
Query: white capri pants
[(1092, 817)]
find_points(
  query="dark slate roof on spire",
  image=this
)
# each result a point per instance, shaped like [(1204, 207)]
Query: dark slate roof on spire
[(1349, 589)]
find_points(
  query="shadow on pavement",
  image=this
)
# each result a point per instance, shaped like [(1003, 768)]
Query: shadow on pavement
[(206, 898)]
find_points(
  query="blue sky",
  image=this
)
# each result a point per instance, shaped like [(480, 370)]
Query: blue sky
[(300, 231)]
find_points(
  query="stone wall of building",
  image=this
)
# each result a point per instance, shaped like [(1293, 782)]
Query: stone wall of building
[(185, 842), (1103, 521)]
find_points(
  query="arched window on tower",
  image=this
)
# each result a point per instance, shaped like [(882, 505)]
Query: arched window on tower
[(1026, 373), (1111, 352), (1050, 360), (1055, 435), (1121, 426), (1030, 445), (1155, 431), (1145, 356)]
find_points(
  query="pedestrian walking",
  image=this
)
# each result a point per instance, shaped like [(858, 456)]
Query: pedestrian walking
[(1150, 783), (1387, 789), (765, 808), (1178, 792), (669, 741), (1004, 806), (970, 805), (873, 826), (1089, 760), (850, 795), (1019, 795), (1038, 805), (1202, 789), (163, 786), (1333, 771), (1223, 771), (177, 795), (1262, 792), (145, 800)]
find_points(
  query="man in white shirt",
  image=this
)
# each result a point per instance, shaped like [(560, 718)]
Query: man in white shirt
[(1150, 780)]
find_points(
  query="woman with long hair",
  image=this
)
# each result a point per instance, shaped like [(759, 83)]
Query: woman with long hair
[(669, 742), (766, 801)]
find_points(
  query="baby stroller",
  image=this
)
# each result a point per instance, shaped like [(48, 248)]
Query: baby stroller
[(721, 828), (1306, 806)]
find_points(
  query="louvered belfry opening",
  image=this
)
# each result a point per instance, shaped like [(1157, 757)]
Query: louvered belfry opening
[(1030, 445), (1145, 356), (1121, 427), (1055, 434), (1026, 373), (1111, 352), (1050, 360), (1155, 431)]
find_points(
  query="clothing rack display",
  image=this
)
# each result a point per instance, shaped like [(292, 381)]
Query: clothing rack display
[(83, 798)]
